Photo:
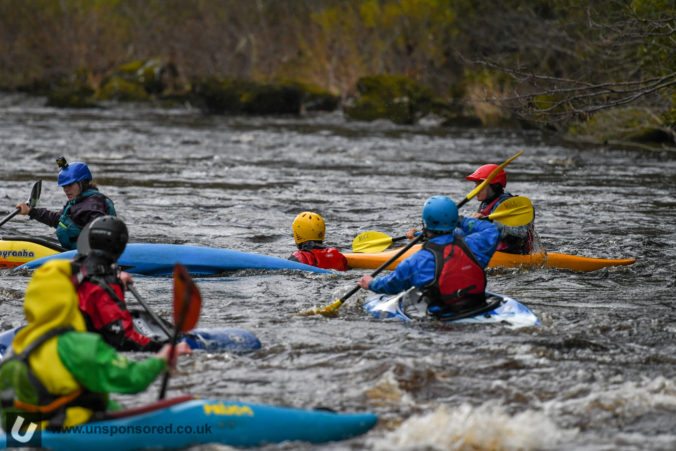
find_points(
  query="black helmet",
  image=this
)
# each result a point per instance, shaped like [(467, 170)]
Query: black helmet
[(106, 236)]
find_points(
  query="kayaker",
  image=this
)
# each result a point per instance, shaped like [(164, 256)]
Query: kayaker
[(85, 203), (449, 269), (57, 374), (515, 240), (101, 285), (309, 231)]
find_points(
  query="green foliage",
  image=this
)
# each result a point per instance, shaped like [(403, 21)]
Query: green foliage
[(472, 51), (656, 53)]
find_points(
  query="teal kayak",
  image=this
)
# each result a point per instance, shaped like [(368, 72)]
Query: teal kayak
[(159, 259), (184, 421)]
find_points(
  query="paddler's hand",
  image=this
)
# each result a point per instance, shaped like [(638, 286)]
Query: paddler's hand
[(181, 348), (23, 208), (478, 215), (411, 234), (125, 278), (365, 281)]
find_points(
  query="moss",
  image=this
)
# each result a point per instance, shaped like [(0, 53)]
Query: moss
[(394, 97), (314, 98), (220, 95), (236, 96), (153, 76), (76, 95), (117, 88)]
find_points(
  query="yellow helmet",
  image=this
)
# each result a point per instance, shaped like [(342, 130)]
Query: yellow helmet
[(308, 226)]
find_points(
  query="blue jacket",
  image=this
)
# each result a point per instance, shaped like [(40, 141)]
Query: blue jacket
[(482, 238)]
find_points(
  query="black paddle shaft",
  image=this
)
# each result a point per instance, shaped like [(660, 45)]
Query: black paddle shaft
[(32, 201), (152, 314), (385, 265)]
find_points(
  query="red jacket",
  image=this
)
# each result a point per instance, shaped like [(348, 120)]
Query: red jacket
[(327, 258), (105, 311)]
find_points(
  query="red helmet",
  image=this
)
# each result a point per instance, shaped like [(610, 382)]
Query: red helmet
[(484, 171)]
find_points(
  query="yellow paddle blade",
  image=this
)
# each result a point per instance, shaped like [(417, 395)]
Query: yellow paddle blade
[(514, 212), (370, 242), (488, 180), (329, 310)]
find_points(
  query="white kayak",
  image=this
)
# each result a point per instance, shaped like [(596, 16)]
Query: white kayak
[(499, 309)]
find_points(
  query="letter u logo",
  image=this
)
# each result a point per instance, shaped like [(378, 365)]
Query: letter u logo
[(27, 435)]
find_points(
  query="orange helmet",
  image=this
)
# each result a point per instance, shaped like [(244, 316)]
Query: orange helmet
[(484, 171), (308, 226)]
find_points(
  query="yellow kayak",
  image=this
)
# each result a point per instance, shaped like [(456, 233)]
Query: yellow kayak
[(16, 252), (500, 259)]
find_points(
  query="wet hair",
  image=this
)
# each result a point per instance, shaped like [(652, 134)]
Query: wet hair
[(497, 192), (497, 188), (88, 184), (429, 234)]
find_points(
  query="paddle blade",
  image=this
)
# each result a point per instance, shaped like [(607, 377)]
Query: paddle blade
[(515, 211), (187, 300), (488, 180), (329, 310), (370, 242), (35, 194)]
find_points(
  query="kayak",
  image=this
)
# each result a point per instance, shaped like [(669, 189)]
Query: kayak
[(237, 341), (158, 260), (500, 259), (185, 421), (17, 251), (499, 309)]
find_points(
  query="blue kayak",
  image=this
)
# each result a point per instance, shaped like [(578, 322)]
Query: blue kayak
[(159, 259), (499, 309), (183, 422), (236, 341)]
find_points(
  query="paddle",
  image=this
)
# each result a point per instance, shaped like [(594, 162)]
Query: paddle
[(152, 314), (333, 308), (187, 306), (32, 201), (515, 211), (371, 241)]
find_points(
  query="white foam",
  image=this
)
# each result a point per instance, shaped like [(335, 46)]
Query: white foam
[(486, 427)]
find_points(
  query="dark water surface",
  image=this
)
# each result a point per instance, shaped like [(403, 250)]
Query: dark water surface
[(599, 374)]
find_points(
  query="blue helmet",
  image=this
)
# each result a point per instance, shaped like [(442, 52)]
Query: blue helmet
[(74, 172), (440, 214)]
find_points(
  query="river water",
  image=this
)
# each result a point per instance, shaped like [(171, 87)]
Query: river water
[(598, 374)]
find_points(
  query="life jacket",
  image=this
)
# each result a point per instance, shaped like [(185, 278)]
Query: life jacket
[(327, 258), (23, 392), (67, 231), (459, 282), (510, 246)]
